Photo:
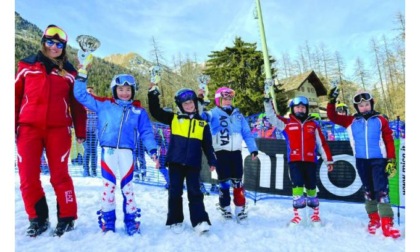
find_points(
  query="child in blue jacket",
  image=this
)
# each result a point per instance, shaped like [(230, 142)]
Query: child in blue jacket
[(229, 128), (120, 121), (373, 145)]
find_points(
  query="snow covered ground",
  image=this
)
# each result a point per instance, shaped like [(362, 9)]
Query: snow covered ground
[(344, 226)]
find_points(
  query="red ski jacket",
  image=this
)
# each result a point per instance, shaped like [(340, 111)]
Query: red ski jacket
[(45, 100)]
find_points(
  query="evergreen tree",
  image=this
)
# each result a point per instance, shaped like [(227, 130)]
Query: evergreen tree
[(241, 68)]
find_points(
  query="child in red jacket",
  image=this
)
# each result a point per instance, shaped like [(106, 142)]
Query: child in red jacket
[(304, 139)]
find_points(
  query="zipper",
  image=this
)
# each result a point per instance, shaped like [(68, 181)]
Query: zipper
[(121, 123), (366, 138)]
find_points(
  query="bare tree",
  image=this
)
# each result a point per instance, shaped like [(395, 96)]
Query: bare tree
[(378, 64), (360, 72), (339, 72)]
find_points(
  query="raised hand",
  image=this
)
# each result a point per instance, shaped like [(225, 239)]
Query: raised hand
[(333, 95)]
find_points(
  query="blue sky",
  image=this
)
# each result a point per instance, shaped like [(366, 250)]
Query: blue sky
[(195, 28)]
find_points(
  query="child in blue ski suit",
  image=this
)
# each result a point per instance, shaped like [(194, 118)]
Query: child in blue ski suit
[(229, 128), (120, 121)]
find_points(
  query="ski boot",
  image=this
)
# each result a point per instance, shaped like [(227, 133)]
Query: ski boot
[(202, 227), (388, 228), (225, 211), (64, 225), (132, 222), (37, 227), (240, 214), (316, 220), (106, 220), (296, 220), (374, 222)]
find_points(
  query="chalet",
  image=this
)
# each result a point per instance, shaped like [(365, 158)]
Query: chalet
[(306, 84)]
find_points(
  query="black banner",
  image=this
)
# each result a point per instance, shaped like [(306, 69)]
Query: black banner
[(269, 174)]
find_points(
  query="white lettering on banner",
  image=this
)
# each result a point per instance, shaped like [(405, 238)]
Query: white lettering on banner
[(402, 172), (265, 170), (347, 191), (280, 171)]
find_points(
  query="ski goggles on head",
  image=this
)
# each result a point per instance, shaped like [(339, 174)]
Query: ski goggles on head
[(125, 79), (50, 43), (185, 95), (362, 97), (55, 31), (299, 100)]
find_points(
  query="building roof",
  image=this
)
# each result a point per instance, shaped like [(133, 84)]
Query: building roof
[(294, 82)]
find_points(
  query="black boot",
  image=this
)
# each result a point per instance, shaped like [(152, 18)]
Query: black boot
[(37, 227), (64, 225)]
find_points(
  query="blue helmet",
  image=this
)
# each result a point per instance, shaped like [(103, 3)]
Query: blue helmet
[(123, 80), (183, 95), (299, 100)]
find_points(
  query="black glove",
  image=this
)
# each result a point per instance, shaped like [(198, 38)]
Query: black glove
[(154, 90), (391, 168), (333, 95)]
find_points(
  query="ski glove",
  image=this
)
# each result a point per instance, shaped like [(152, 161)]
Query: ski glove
[(333, 95), (154, 90), (391, 167)]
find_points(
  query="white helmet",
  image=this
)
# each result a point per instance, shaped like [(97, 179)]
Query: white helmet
[(123, 80)]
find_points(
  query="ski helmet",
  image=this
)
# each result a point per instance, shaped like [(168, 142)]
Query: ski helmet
[(123, 80), (183, 95), (361, 96), (222, 93), (342, 107), (297, 101)]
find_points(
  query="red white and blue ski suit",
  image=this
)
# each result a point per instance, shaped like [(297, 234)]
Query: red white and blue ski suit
[(120, 124)]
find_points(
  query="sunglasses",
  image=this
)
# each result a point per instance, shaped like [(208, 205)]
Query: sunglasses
[(56, 31), (50, 43), (125, 79), (362, 97)]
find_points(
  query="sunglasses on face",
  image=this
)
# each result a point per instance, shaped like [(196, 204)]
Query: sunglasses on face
[(55, 31), (362, 97), (50, 43)]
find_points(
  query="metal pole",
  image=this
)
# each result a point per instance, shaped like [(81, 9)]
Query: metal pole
[(267, 69)]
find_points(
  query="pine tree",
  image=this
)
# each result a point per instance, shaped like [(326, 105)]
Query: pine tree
[(241, 68)]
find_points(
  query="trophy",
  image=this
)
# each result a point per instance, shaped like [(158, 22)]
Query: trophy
[(203, 81), (88, 44), (155, 72)]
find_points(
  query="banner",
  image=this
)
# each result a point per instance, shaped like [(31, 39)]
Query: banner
[(397, 183), (268, 176)]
